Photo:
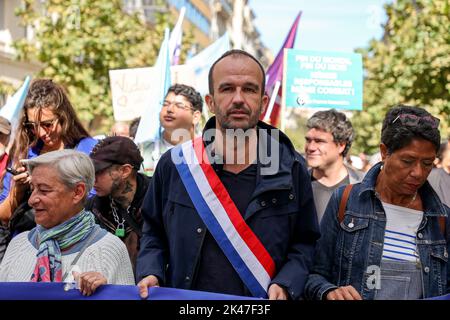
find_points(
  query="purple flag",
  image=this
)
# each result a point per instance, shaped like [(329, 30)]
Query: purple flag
[(275, 71)]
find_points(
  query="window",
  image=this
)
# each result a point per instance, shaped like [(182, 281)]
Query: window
[(193, 14)]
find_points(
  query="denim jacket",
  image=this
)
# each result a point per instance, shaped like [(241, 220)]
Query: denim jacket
[(348, 253)]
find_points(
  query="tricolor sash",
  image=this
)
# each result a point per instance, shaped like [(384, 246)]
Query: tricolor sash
[(240, 245)]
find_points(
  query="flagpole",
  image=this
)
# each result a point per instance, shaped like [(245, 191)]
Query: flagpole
[(275, 72), (272, 101), (149, 126), (283, 117)]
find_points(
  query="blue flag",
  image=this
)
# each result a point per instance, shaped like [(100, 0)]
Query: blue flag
[(149, 126), (202, 62), (12, 107)]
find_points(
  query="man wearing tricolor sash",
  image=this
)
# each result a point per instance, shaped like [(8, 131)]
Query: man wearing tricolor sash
[(232, 211)]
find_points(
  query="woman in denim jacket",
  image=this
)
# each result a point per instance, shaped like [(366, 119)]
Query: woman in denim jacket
[(392, 242)]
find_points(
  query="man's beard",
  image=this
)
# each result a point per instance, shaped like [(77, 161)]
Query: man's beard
[(226, 123), (116, 188)]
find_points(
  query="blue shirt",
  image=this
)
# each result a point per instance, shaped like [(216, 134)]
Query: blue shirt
[(84, 145)]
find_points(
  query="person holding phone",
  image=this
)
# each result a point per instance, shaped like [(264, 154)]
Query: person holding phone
[(66, 237), (48, 122)]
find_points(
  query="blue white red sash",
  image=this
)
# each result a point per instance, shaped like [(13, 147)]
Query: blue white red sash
[(243, 249)]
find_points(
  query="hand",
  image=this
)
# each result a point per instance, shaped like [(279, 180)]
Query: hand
[(23, 178), (21, 182), (277, 292), (343, 293), (88, 282), (144, 284)]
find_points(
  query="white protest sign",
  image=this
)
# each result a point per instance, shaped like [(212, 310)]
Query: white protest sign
[(133, 88)]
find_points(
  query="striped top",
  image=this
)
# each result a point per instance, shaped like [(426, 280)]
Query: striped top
[(400, 234)]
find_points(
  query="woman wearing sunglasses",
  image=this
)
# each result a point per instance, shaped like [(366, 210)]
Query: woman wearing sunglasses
[(387, 237), (48, 122)]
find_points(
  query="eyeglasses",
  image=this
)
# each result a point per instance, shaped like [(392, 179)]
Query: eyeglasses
[(178, 105), (413, 120), (46, 125)]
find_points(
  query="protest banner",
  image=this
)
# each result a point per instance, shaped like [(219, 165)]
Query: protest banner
[(132, 89), (314, 79), (59, 291)]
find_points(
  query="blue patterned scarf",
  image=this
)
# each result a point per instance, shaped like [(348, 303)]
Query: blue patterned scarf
[(51, 241)]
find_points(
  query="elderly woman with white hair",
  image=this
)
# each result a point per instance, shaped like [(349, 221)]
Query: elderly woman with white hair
[(66, 237)]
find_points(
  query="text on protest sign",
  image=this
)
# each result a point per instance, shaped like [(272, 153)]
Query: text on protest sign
[(315, 79), (132, 89)]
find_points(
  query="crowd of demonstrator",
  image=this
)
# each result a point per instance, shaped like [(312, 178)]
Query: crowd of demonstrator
[(233, 209)]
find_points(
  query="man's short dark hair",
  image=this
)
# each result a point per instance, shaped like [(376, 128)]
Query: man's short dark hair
[(336, 123), (134, 126), (396, 135), (192, 95), (236, 53)]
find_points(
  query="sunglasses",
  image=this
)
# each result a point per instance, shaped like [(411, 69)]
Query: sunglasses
[(413, 120), (46, 125)]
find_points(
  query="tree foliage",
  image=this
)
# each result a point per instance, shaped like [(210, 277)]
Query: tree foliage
[(79, 41), (410, 65), (6, 89)]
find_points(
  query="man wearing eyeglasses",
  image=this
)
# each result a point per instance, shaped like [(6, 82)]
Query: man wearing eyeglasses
[(180, 113)]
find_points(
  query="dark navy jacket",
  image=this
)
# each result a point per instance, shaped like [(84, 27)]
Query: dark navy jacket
[(347, 251), (281, 214)]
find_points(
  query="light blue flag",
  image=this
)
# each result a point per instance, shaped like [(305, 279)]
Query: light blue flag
[(175, 39), (203, 61), (14, 104), (149, 126)]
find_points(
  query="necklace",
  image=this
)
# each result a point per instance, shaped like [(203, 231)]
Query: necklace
[(120, 229), (412, 200)]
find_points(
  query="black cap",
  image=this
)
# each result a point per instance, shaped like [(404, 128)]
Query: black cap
[(116, 150)]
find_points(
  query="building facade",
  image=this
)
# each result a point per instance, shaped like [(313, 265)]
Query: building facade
[(206, 19), (237, 18), (12, 72), (210, 19)]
